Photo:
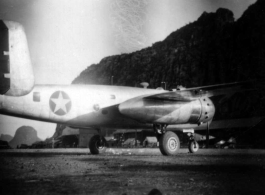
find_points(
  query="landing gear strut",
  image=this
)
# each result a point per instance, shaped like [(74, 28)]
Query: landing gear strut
[(168, 141), (159, 128), (97, 144)]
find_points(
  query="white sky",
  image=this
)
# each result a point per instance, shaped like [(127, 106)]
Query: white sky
[(66, 36)]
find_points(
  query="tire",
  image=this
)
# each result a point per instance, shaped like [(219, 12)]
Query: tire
[(169, 144), (95, 146), (192, 147)]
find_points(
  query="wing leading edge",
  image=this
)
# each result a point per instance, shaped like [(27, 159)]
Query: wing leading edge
[(191, 94)]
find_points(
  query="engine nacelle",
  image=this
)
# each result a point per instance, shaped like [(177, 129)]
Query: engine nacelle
[(207, 110), (168, 112)]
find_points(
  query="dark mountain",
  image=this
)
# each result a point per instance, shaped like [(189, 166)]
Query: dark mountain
[(214, 49), (6, 137), (24, 135)]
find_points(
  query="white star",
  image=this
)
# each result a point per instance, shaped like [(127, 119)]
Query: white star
[(60, 103)]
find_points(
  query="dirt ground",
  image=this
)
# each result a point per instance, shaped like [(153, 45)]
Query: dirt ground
[(132, 171)]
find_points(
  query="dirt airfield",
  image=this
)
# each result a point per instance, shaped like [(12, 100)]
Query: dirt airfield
[(132, 171)]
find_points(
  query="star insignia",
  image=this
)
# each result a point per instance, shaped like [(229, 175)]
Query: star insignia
[(60, 103)]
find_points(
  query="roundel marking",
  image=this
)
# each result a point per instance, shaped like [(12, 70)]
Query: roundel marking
[(60, 103)]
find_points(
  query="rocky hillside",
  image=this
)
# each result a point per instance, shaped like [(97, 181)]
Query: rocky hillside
[(24, 135), (214, 49), (6, 137)]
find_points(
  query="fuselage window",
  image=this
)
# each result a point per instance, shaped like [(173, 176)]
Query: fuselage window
[(36, 96)]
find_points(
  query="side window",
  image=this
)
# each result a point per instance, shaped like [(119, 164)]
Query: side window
[(36, 96)]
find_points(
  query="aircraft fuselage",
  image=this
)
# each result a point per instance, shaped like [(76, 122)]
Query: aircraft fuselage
[(92, 106), (74, 105)]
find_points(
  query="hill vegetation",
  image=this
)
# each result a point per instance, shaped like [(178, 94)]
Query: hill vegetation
[(214, 49)]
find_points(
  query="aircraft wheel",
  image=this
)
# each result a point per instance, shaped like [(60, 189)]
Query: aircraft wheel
[(97, 145), (193, 146), (169, 144)]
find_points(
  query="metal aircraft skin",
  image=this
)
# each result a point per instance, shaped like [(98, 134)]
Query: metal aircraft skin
[(95, 106), (101, 106)]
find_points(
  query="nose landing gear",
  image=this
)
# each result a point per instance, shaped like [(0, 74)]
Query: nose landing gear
[(193, 144)]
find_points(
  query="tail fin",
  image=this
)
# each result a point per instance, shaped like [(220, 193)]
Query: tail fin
[(16, 74)]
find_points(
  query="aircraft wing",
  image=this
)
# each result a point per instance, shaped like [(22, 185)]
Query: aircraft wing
[(194, 93)]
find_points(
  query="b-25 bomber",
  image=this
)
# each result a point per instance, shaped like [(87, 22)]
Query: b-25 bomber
[(99, 106)]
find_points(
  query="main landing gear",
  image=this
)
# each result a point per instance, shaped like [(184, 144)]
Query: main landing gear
[(168, 141), (97, 144)]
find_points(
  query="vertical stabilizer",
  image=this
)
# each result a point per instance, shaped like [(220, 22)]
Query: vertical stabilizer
[(4, 59), (16, 74)]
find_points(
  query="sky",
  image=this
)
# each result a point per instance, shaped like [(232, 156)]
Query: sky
[(67, 36)]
